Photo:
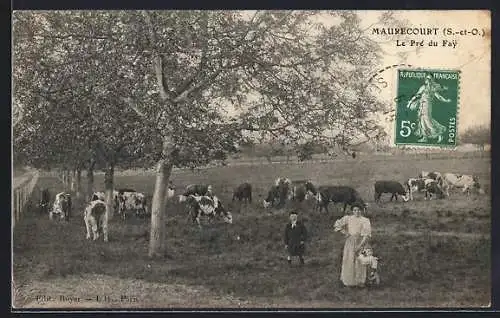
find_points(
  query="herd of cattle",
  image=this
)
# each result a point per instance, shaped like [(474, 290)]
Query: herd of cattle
[(201, 201)]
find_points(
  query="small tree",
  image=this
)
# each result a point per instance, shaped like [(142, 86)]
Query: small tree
[(477, 135)]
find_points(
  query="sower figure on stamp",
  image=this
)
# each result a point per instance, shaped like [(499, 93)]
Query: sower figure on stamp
[(427, 127), (295, 238)]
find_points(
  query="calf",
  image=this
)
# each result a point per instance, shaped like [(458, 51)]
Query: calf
[(343, 194), (196, 189), (392, 187), (43, 204), (464, 182), (96, 220), (243, 192), (135, 201), (210, 206), (415, 185), (62, 206)]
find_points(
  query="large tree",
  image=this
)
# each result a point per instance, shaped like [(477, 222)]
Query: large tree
[(202, 80)]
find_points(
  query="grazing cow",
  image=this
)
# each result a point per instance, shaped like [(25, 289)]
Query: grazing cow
[(243, 192), (196, 189), (464, 182), (135, 201), (434, 175), (433, 187), (62, 206), (392, 187), (210, 206), (344, 194), (426, 185), (96, 220), (301, 189), (280, 191), (43, 204)]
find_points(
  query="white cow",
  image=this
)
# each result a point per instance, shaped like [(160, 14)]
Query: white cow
[(96, 220), (464, 182)]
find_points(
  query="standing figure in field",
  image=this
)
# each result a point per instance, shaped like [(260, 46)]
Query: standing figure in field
[(357, 230), (427, 127), (295, 238)]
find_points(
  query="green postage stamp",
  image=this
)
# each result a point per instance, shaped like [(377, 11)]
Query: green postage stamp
[(427, 107)]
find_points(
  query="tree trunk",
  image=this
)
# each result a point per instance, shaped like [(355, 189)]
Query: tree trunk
[(108, 188), (78, 184), (72, 180), (90, 182), (65, 179), (157, 235)]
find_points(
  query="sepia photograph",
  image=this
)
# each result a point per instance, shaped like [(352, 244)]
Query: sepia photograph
[(251, 159)]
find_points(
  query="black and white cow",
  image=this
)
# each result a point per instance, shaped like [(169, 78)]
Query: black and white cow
[(62, 206), (433, 187), (132, 201), (427, 185), (465, 182), (43, 204), (337, 194), (243, 192), (430, 175), (392, 187), (209, 206), (278, 193), (96, 220), (196, 189), (99, 195)]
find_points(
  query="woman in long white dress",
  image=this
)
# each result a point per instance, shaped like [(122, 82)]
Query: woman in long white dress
[(357, 230), (427, 127)]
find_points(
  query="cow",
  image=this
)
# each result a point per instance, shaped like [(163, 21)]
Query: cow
[(243, 192), (102, 196), (464, 182), (434, 175), (343, 194), (280, 191), (426, 185), (43, 204), (210, 206), (301, 189), (196, 189), (96, 220), (392, 187), (170, 190), (135, 201), (62, 206), (433, 187)]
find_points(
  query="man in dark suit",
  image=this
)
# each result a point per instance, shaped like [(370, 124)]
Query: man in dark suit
[(295, 237)]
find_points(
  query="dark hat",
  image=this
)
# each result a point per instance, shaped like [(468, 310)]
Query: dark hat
[(293, 212), (359, 205)]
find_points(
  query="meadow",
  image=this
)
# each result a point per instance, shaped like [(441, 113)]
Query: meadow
[(432, 253)]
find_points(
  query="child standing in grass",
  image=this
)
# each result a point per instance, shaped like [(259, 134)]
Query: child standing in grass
[(295, 238)]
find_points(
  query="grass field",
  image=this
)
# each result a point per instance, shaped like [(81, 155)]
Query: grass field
[(433, 253)]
